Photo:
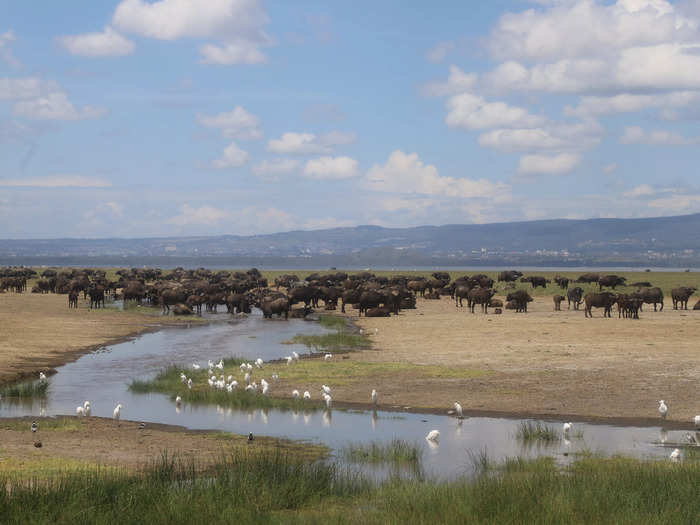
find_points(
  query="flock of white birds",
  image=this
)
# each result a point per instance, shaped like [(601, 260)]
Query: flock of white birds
[(247, 369)]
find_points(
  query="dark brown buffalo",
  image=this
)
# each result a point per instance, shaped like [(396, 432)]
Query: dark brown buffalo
[(611, 281), (417, 287), (588, 278), (575, 295), (681, 295), (697, 306), (653, 296), (134, 291), (238, 303), (97, 296), (461, 292), (306, 294), (563, 282), (480, 296), (495, 303), (642, 284), (350, 297), (509, 276), (172, 296), (481, 280), (604, 300), (557, 302), (519, 300), (536, 281), (275, 306), (182, 309), (378, 312), (628, 305), (73, 299), (370, 299)]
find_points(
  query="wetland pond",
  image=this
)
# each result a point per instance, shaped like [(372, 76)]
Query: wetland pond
[(103, 377)]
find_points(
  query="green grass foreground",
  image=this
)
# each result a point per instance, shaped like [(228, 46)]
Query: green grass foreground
[(338, 342), (168, 382), (276, 488), (29, 390), (397, 451), (529, 432)]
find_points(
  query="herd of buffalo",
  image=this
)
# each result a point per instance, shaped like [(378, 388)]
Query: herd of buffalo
[(187, 291)]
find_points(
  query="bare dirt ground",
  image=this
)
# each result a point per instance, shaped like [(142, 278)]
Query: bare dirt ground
[(70, 443), (39, 332), (542, 362)]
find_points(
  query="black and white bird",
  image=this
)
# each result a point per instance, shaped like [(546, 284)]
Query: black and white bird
[(250, 436), (35, 427)]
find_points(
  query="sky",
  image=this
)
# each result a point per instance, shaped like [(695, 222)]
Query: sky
[(139, 118)]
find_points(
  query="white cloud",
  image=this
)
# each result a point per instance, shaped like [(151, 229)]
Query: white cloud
[(292, 143), (276, 167), (105, 210), (474, 112), (406, 173), (57, 181), (55, 106), (457, 82), (548, 165), (20, 88), (330, 168), (232, 157), (6, 55), (238, 123), (636, 135), (107, 43), (238, 26), (439, 51), (643, 190), (204, 215), (552, 137), (610, 168), (629, 102)]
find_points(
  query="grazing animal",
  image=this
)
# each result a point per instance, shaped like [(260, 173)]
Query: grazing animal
[(663, 409), (433, 435), (681, 295), (518, 300), (557, 302), (611, 281), (575, 295), (652, 296), (374, 397), (458, 410), (604, 300)]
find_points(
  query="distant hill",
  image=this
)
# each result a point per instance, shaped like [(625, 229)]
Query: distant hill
[(659, 241)]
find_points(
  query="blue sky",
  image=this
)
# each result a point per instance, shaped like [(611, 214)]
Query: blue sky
[(181, 117)]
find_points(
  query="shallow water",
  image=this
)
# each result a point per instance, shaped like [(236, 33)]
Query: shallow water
[(103, 377)]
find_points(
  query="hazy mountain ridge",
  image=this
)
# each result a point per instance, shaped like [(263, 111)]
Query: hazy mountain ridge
[(648, 239)]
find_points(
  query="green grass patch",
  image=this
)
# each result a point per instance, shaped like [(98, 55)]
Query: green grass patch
[(397, 451), (537, 432), (338, 342), (333, 322), (45, 423), (26, 390), (168, 381)]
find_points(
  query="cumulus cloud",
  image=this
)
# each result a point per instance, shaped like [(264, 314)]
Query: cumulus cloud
[(438, 52), (548, 165), (629, 102), (276, 167), (206, 215), (457, 82), (610, 168), (238, 124), (474, 112), (637, 135), (292, 143), (237, 26), (243, 221), (552, 137), (232, 157), (57, 181), (105, 210), (55, 106), (6, 55), (107, 43), (21, 88), (406, 173), (330, 168)]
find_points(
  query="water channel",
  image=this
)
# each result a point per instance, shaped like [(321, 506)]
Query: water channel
[(103, 377)]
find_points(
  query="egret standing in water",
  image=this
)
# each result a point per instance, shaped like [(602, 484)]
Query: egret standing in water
[(675, 455), (697, 422), (329, 401), (178, 400), (117, 414), (567, 428), (458, 410), (307, 395), (42, 376), (374, 397), (663, 409), (295, 394), (433, 435)]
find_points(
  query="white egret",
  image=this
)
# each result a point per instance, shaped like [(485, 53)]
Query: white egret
[(265, 389), (246, 377), (374, 397), (295, 356), (275, 377), (376, 331), (183, 378), (567, 428), (178, 400), (675, 455), (249, 388), (189, 383), (697, 421), (195, 366), (295, 394), (307, 395), (328, 357), (259, 362), (242, 367), (690, 438), (87, 408), (229, 379), (234, 384), (289, 360), (458, 410), (220, 364), (42, 376), (433, 435), (249, 367), (117, 414), (326, 389), (80, 411), (663, 409), (329, 401)]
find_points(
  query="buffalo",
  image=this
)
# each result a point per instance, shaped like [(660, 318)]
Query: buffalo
[(275, 306), (562, 282), (653, 296), (611, 281), (518, 300), (509, 276), (536, 281), (378, 312), (588, 278), (604, 300), (575, 295), (557, 302), (681, 295), (480, 296)]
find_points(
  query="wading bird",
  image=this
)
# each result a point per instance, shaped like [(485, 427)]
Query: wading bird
[(275, 377), (35, 427), (329, 401), (295, 394), (567, 428), (195, 366), (79, 411), (42, 376), (183, 378), (189, 383), (117, 414), (307, 396), (326, 389), (675, 455), (458, 410), (374, 397), (289, 360), (433, 435), (697, 422), (328, 357), (87, 408), (663, 409), (295, 356), (259, 362)]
